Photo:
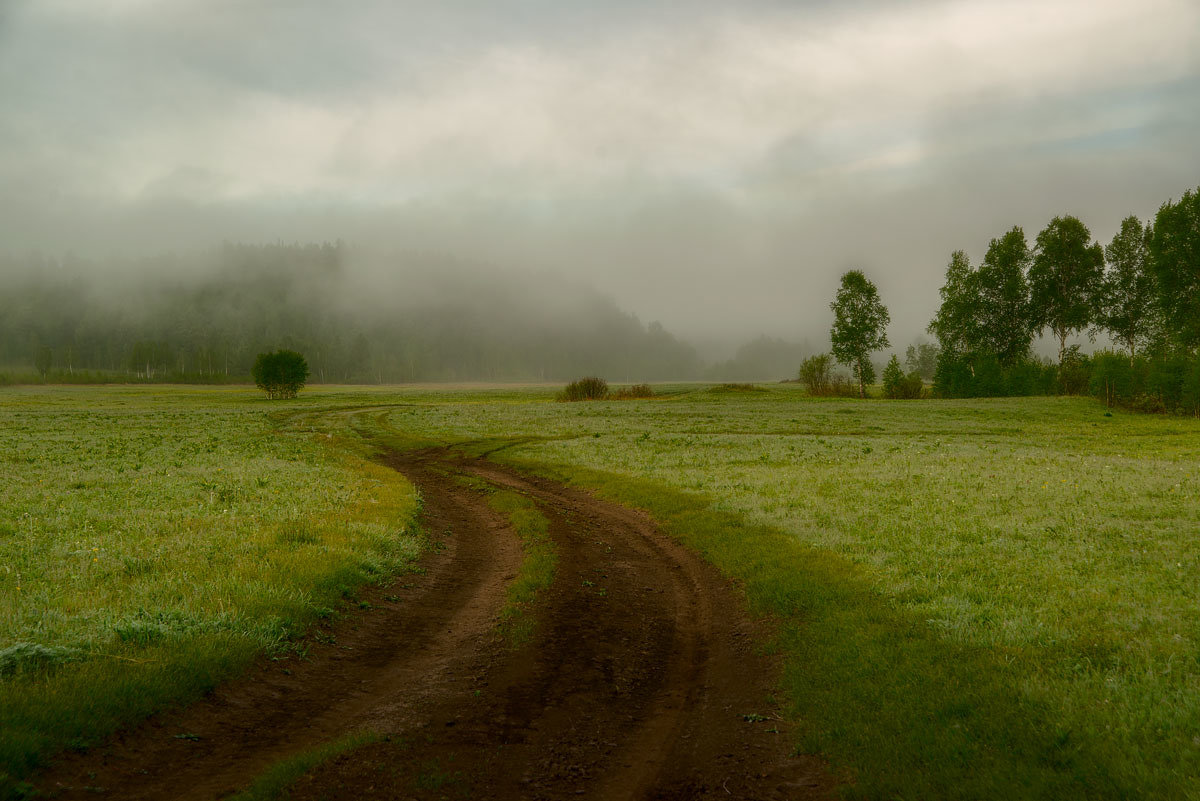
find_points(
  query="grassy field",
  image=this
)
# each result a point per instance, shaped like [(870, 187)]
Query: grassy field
[(981, 598), (977, 599), (153, 540)]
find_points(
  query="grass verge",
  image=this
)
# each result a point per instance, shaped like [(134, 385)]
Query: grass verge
[(538, 562)]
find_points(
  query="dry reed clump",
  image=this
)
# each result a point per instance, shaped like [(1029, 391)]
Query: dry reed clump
[(590, 388), (634, 392)]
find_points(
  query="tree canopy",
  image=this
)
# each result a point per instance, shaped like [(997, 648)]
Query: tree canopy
[(860, 323), (1174, 250), (1129, 300), (1003, 314), (281, 374), (1065, 279)]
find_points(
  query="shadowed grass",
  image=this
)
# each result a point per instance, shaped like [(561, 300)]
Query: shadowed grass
[(905, 714)]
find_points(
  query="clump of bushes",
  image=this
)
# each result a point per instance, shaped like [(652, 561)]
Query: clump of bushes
[(1169, 383), (897, 385), (985, 377), (634, 392), (816, 374), (590, 388), (818, 377)]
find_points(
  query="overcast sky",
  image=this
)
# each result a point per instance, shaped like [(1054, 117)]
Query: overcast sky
[(714, 165)]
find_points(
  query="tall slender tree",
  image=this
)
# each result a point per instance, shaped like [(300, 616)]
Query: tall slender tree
[(1065, 279), (1174, 250), (956, 324), (1004, 318), (1128, 305), (860, 323)]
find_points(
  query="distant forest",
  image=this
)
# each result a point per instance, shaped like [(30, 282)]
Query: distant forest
[(204, 318)]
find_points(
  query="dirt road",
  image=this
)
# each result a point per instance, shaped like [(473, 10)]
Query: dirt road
[(643, 678)]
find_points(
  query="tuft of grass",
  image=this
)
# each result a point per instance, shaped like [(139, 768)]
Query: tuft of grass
[(538, 562), (275, 783)]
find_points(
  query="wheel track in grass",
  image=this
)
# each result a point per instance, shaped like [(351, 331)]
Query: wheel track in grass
[(638, 681)]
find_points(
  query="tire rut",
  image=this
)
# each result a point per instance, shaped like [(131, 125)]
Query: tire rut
[(642, 680)]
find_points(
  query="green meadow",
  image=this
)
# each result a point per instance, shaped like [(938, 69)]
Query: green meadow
[(984, 598), (974, 599), (155, 540)]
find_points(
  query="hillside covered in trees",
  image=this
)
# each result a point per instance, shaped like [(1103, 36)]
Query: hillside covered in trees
[(205, 318)]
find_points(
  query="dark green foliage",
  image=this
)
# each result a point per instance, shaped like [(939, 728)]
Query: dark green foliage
[(281, 374), (1117, 378), (1164, 381), (590, 388), (1128, 306), (1004, 311), (897, 385), (1065, 279), (860, 323), (1174, 251), (1074, 372), (921, 359), (987, 377), (956, 324), (987, 311), (816, 374), (1169, 383)]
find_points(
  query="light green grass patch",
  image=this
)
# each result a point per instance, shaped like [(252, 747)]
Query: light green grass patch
[(153, 540)]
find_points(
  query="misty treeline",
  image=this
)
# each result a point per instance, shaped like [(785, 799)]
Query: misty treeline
[(357, 318), (1142, 289)]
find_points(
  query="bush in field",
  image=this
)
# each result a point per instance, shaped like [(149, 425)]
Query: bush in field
[(590, 388), (634, 392), (281, 374), (843, 386), (897, 385), (816, 374)]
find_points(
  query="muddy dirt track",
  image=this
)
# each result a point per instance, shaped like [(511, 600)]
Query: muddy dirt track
[(642, 679)]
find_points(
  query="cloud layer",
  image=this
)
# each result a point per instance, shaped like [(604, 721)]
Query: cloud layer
[(715, 165)]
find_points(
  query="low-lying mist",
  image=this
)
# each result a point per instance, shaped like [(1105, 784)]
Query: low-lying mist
[(357, 315)]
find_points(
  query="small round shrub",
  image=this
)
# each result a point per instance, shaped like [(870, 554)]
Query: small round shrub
[(281, 374)]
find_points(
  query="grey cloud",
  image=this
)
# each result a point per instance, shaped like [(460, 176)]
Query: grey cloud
[(714, 165)]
